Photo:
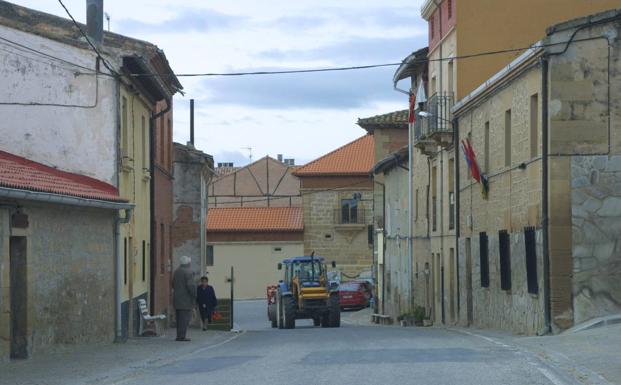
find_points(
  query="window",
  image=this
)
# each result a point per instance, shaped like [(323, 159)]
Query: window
[(349, 211), (432, 26), (451, 192), (416, 205), (434, 200), (487, 154), (162, 248), (484, 259), (124, 127), (161, 133), (145, 143), (534, 126), (531, 260), (144, 261), (433, 85), (169, 145), (125, 261), (508, 138), (451, 77), (209, 256), (450, 9), (370, 233), (504, 245)]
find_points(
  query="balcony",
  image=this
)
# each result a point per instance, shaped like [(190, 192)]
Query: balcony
[(422, 140), (440, 121), (350, 216)]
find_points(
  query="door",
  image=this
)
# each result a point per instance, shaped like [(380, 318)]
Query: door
[(19, 296), (452, 279), (468, 282)]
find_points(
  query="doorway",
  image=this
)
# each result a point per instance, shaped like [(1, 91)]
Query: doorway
[(19, 297)]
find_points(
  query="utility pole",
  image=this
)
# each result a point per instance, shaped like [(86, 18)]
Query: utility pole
[(249, 149)]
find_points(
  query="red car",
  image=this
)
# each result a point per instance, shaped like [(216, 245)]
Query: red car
[(354, 295)]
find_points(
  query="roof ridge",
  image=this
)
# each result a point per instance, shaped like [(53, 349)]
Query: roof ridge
[(301, 169)]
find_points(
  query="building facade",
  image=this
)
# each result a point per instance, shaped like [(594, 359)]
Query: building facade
[(252, 241), (537, 251), (337, 195), (57, 258), (193, 170), (83, 113), (161, 228), (265, 183)]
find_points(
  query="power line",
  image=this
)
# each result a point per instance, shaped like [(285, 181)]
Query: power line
[(361, 67), (105, 63)]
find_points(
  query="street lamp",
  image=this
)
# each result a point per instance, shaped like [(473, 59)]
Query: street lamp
[(424, 114)]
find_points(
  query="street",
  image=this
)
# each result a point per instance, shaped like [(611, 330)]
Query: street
[(351, 354)]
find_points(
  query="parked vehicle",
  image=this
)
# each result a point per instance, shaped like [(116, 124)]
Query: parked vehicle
[(304, 292), (355, 294)]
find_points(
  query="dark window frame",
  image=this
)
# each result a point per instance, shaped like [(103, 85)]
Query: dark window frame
[(484, 258), (504, 255), (530, 244)]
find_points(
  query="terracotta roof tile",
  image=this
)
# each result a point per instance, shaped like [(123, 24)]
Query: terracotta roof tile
[(255, 219), (23, 174), (355, 158)]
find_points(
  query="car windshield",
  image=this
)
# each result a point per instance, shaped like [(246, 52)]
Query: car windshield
[(307, 271), (349, 287)]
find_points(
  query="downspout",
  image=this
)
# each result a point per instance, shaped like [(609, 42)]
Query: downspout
[(545, 194), (410, 216), (456, 207), (152, 230)]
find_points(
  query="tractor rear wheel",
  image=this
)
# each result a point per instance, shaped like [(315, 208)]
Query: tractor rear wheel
[(288, 305), (334, 314), (325, 320)]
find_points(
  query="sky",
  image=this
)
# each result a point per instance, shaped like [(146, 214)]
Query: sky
[(302, 116)]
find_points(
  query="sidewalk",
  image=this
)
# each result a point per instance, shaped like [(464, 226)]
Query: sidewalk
[(107, 363), (593, 356)]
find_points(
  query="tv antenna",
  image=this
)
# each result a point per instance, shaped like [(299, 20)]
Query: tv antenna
[(249, 149)]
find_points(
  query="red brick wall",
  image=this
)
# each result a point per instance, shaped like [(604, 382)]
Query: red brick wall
[(162, 217), (442, 21)]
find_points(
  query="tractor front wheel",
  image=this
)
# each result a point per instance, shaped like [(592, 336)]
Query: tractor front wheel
[(288, 305), (316, 321)]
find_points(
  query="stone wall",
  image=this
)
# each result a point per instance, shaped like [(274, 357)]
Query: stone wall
[(596, 234), (513, 203), (70, 276), (347, 244), (514, 310)]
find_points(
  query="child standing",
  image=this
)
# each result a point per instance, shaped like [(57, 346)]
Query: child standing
[(206, 299)]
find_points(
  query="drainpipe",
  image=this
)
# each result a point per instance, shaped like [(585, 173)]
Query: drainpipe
[(545, 192), (120, 263), (410, 216), (456, 208)]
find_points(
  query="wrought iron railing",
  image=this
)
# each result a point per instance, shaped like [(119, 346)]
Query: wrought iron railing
[(350, 216), (439, 107)]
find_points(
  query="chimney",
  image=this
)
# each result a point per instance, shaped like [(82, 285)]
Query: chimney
[(192, 121), (280, 157), (94, 21)]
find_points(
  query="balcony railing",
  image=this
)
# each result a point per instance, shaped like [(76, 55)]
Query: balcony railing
[(439, 106), (350, 216)]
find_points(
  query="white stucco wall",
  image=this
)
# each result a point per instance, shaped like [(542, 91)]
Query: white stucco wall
[(255, 265), (76, 139)]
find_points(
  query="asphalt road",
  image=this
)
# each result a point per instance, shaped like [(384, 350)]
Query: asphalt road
[(351, 355)]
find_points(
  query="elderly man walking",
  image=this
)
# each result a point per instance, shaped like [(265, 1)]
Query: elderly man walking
[(184, 296)]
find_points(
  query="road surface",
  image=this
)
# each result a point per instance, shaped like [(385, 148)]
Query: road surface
[(351, 355)]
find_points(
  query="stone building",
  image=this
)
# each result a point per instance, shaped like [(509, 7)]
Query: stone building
[(539, 253), (252, 240), (193, 170), (337, 195), (82, 112), (58, 237)]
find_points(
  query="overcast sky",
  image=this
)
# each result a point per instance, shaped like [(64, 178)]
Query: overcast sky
[(300, 116)]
